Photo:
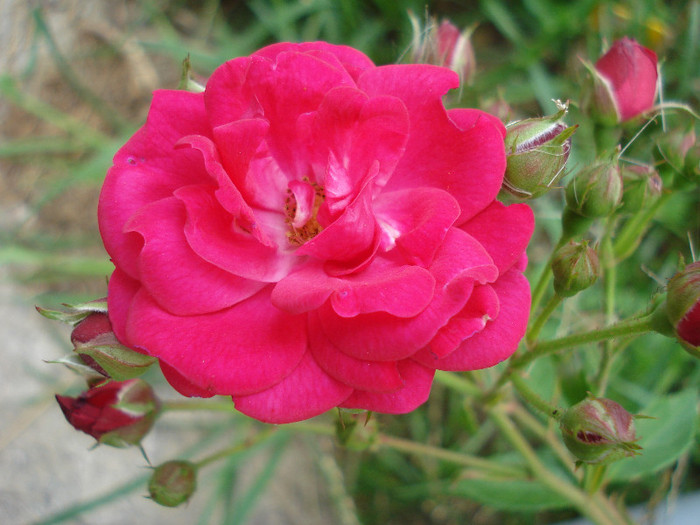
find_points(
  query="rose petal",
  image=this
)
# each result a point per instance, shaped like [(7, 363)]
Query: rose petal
[(237, 351), (402, 291), (504, 231), (181, 383), (213, 235), (178, 279), (499, 339), (483, 306), (294, 84), (356, 132), (120, 294), (381, 337), (416, 221), (372, 376), (307, 392), (352, 60), (417, 379), (467, 161)]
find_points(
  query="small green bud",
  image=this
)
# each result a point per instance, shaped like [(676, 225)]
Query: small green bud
[(599, 431), (595, 191), (173, 482), (642, 186), (683, 307), (537, 150), (575, 267)]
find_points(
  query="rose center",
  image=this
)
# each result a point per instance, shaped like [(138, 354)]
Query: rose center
[(304, 198)]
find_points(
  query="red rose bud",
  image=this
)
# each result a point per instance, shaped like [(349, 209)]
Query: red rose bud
[(118, 413), (98, 347), (683, 307), (444, 45), (173, 482), (575, 267), (537, 150), (599, 431), (596, 190), (625, 81), (642, 186)]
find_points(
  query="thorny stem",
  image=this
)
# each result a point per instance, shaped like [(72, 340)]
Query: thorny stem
[(534, 331), (529, 395), (637, 325)]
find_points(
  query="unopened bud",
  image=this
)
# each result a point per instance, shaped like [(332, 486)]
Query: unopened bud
[(117, 413), (98, 347), (575, 267), (595, 191), (443, 45), (683, 307), (173, 482), (536, 150), (624, 82), (642, 186), (599, 431)]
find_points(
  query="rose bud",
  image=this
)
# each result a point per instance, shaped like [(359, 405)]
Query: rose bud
[(596, 190), (444, 45), (173, 482), (642, 186), (575, 267), (674, 147), (537, 150), (118, 413), (98, 347), (683, 307), (624, 82), (599, 431)]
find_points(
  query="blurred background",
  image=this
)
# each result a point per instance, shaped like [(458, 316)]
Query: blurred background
[(75, 82)]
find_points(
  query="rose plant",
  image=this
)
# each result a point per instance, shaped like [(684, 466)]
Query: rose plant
[(313, 231)]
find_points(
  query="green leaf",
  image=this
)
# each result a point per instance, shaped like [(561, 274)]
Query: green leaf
[(663, 439), (510, 495)]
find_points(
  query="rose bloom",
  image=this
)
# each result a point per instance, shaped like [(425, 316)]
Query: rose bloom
[(314, 231), (629, 74)]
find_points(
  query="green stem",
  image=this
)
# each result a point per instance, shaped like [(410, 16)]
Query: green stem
[(534, 331), (458, 383), (236, 449), (529, 395), (412, 447), (548, 436), (458, 458), (631, 233), (599, 510), (205, 404), (542, 283), (609, 285), (593, 478), (633, 326)]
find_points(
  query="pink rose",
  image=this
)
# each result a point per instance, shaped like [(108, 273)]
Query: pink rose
[(313, 231), (628, 71)]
